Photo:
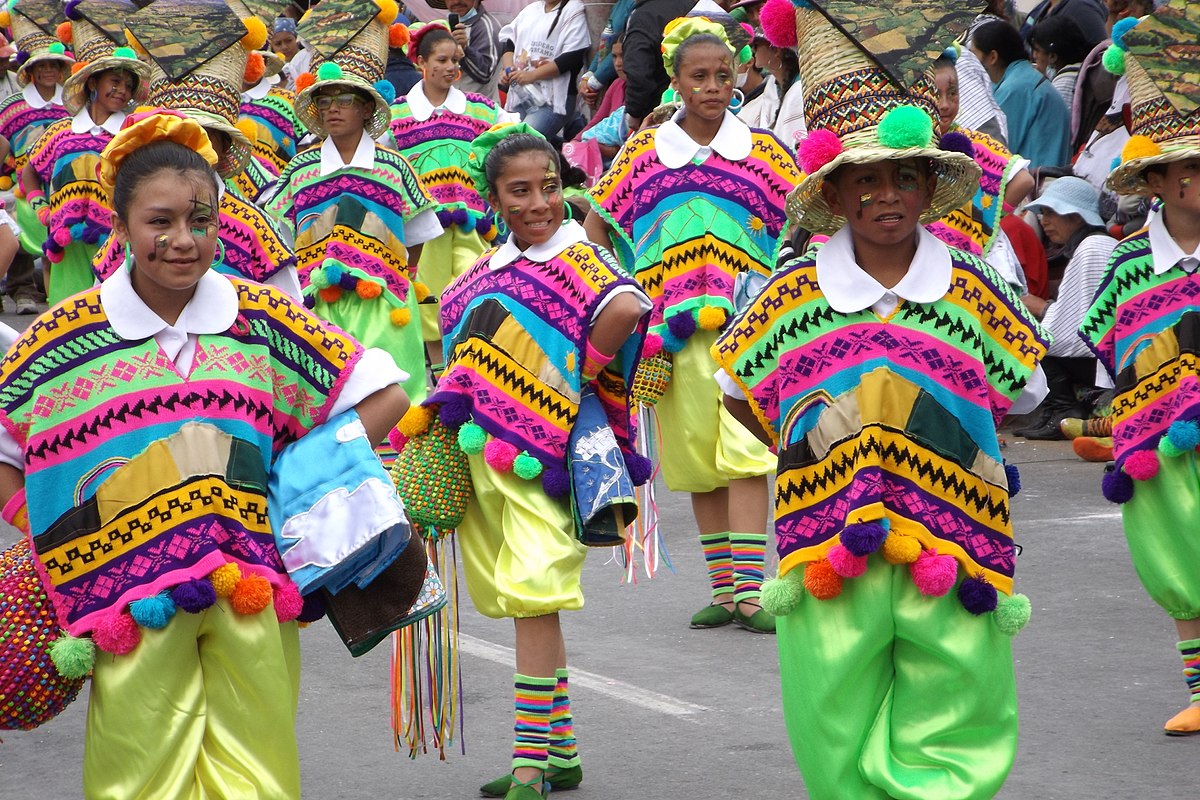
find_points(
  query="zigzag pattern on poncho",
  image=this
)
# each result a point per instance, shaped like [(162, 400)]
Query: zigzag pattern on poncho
[(67, 162), (22, 124)]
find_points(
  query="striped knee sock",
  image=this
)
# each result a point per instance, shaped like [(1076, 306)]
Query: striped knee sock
[(1190, 652), (719, 560), (749, 553), (534, 702), (563, 750)]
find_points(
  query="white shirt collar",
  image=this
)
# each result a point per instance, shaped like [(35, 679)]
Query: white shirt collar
[(675, 148), (363, 158), (212, 309), (259, 90), (422, 109), (82, 123), (34, 98), (849, 289), (1165, 251), (570, 233)]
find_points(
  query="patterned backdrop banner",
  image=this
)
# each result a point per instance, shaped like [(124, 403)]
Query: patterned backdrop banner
[(46, 14), (339, 22), (211, 28), (1167, 46)]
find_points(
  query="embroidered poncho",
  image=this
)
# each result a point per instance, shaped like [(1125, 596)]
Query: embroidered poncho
[(686, 233), (277, 126), (886, 428), (258, 176), (82, 402), (437, 148), (22, 124), (67, 164), (973, 228)]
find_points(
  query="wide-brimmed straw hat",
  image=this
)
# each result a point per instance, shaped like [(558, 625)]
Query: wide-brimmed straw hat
[(864, 104), (34, 25), (1157, 56), (349, 44), (98, 40)]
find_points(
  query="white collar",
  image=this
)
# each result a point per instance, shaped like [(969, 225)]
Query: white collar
[(363, 158), (259, 90), (675, 148), (83, 123), (33, 98), (849, 289), (570, 233), (212, 309), (422, 108), (1165, 251)]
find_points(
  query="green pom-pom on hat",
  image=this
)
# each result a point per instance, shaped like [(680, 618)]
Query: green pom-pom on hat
[(526, 466), (329, 71), (1012, 614), (58, 48), (73, 657), (905, 126), (1114, 60), (782, 596), (471, 439), (125, 52)]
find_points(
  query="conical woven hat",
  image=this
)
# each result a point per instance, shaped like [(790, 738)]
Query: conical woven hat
[(33, 22), (97, 38)]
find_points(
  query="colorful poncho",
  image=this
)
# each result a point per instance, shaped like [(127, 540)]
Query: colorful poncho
[(67, 163), (22, 124), (515, 339), (258, 176), (277, 126), (1145, 329), (686, 233), (82, 402), (350, 224), (886, 428), (974, 227), (437, 148)]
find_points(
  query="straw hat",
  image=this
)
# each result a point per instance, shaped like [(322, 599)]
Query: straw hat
[(98, 40), (1157, 56), (266, 11), (34, 26), (869, 96), (349, 43)]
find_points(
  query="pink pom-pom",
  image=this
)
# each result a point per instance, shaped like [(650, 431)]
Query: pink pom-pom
[(778, 20), (62, 236), (288, 602), (397, 439), (818, 149), (845, 563), (54, 256), (652, 346), (933, 574), (500, 455), (118, 634), (1142, 465)]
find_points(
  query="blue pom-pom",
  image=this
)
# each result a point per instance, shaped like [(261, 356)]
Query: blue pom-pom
[(334, 272), (1117, 487), (1122, 27), (640, 468), (682, 324), (1014, 479), (671, 342), (455, 411), (386, 90), (885, 523), (863, 538), (556, 482), (153, 612), (1184, 434), (977, 596), (313, 609), (77, 231), (956, 142), (194, 596)]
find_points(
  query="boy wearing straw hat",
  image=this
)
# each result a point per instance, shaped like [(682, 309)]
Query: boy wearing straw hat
[(1142, 326), (879, 366)]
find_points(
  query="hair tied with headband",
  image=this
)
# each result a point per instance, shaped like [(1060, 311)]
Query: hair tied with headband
[(418, 35), (484, 143), (140, 130), (681, 29)]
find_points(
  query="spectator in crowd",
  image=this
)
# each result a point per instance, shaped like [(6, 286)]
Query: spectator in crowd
[(760, 95), (285, 42), (400, 71), (543, 49), (643, 55), (1058, 48), (478, 34), (1038, 120), (1089, 15), (602, 69)]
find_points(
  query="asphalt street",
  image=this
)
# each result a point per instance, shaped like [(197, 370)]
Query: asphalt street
[(673, 713)]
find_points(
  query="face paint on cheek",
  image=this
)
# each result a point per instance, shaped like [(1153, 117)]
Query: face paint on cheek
[(1184, 183), (695, 90), (864, 200)]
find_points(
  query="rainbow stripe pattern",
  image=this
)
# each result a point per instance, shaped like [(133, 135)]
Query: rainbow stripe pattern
[(562, 749), (22, 124), (1189, 651), (531, 731), (718, 559), (749, 551), (67, 164), (277, 127)]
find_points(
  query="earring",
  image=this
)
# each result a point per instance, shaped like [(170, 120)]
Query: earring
[(674, 98), (128, 258), (737, 100), (219, 261)]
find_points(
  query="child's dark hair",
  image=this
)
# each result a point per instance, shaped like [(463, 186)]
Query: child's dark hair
[(150, 160), (1002, 37), (695, 41), (1060, 36), (512, 146), (431, 39)]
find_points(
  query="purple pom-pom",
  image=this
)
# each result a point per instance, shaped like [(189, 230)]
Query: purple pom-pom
[(863, 538), (1117, 487), (556, 482), (310, 301), (682, 325), (314, 608), (956, 142), (460, 216), (348, 282), (640, 468), (1014, 479), (444, 217), (455, 411), (483, 225), (977, 596), (71, 10), (194, 596), (21, 57)]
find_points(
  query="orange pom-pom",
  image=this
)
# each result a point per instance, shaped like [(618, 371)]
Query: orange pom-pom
[(78, 65), (1139, 146), (304, 80), (5, 19), (330, 294), (415, 421), (256, 67), (822, 581), (225, 578), (421, 289), (398, 35), (368, 290), (63, 32), (401, 317), (251, 595), (256, 33)]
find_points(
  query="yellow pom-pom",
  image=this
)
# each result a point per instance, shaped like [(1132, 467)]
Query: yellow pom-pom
[(421, 289), (711, 318), (415, 421), (256, 33), (899, 549), (225, 579), (388, 11), (401, 317), (1139, 146), (248, 128), (5, 19), (251, 595), (63, 32)]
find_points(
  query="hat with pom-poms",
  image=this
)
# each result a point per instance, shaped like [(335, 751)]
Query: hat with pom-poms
[(35, 28), (99, 43), (349, 43), (866, 69)]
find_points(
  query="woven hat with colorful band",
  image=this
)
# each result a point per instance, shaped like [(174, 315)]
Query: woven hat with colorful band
[(869, 96), (34, 25), (349, 43), (145, 127), (197, 68), (1161, 61), (484, 143), (98, 39)]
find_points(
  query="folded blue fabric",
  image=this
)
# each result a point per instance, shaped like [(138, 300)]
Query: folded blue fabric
[(602, 493)]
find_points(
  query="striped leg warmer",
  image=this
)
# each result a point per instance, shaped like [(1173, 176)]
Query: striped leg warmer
[(719, 559), (563, 749), (749, 553), (534, 704), (1190, 652)]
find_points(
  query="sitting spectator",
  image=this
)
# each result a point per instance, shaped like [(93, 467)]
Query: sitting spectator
[(1030, 254), (543, 49), (760, 103), (478, 34), (1088, 15), (614, 95), (1058, 48), (1069, 212), (1038, 119), (607, 126), (602, 71)]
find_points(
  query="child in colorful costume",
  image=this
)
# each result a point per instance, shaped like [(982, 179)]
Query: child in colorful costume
[(529, 329), (1141, 328), (195, 691), (60, 179), (433, 126), (879, 364), (688, 207), (359, 211)]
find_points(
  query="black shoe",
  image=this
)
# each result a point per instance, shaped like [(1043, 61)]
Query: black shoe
[(1050, 432), (1037, 420)]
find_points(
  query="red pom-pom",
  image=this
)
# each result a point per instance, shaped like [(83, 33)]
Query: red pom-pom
[(934, 574), (256, 67), (118, 634), (251, 595), (778, 20), (818, 149), (500, 455), (1142, 465), (304, 80), (330, 294), (822, 581), (398, 35), (845, 563), (288, 602)]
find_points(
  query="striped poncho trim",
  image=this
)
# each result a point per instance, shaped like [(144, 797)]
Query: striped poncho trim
[(67, 164), (22, 124), (974, 228)]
